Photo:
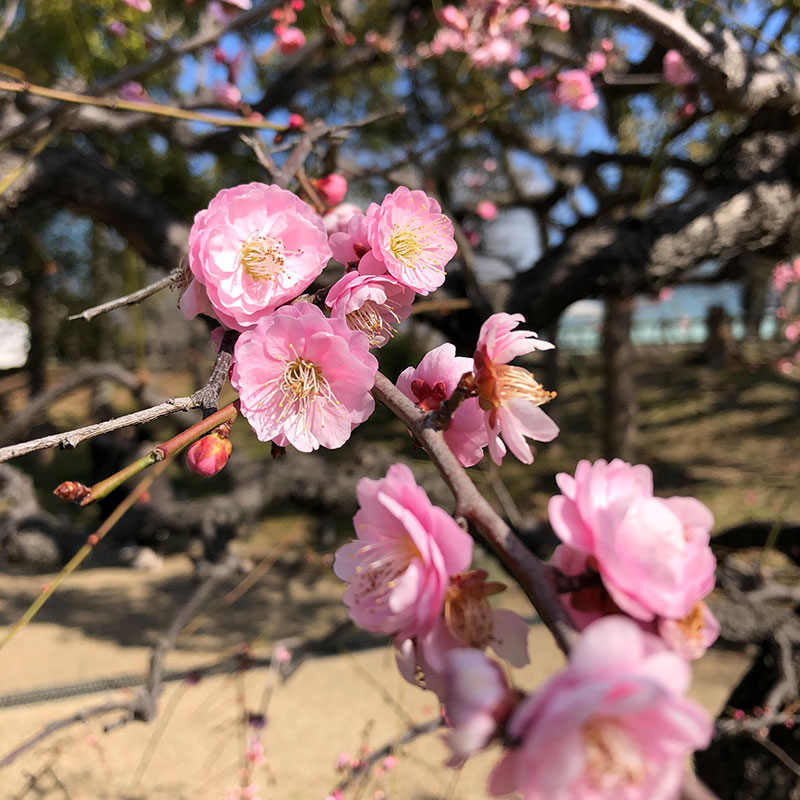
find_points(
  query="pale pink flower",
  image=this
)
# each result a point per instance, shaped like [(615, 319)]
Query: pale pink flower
[(490, 164), (227, 94), (352, 244), (575, 89), (389, 763), (250, 792), (221, 14), (373, 304), (792, 331), (559, 15), (331, 189), (477, 699), (652, 554), (518, 79), (676, 71), (343, 762), (431, 383), (399, 568), (691, 636), (254, 248), (255, 752), (509, 396), (454, 18), (596, 62), (133, 91), (607, 45), (117, 28), (411, 236), (495, 51), (338, 217), (290, 38), (303, 378), (245, 5), (688, 109), (282, 654), (667, 293), (784, 366), (486, 209), (139, 5), (614, 724), (468, 621)]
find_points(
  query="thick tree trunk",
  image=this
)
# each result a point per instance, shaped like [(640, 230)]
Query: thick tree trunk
[(619, 391)]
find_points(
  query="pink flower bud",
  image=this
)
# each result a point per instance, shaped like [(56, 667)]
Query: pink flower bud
[(290, 38), (332, 188), (207, 456), (117, 28), (296, 122), (455, 18), (486, 209)]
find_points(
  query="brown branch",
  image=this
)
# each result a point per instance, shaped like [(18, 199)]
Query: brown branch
[(136, 72), (205, 398), (58, 725), (533, 576), (23, 419), (130, 299)]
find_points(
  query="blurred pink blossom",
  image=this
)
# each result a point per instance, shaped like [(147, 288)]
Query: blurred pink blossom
[(339, 216), (399, 567), (792, 331), (575, 89), (139, 5), (596, 62), (133, 91), (676, 71), (227, 95), (290, 38), (691, 636), (486, 209), (331, 188), (615, 723), (117, 28)]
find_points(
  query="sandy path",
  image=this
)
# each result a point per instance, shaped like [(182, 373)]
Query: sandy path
[(103, 623)]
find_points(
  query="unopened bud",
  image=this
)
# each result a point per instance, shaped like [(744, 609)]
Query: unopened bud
[(331, 189), (207, 456), (71, 490)]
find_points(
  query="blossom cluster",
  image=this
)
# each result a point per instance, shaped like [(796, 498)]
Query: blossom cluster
[(616, 721), (493, 33)]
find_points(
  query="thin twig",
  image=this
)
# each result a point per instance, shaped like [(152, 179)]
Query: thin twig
[(205, 398), (142, 107), (58, 725), (130, 299), (533, 576)]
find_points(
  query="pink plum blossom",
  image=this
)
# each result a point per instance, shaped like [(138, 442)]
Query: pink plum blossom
[(139, 5), (400, 565), (255, 752), (117, 28), (652, 554), (373, 304), (304, 379), (413, 239), (350, 245), (691, 636), (133, 91), (607, 45), (227, 94), (255, 247), (289, 38), (468, 621), (455, 18), (614, 724), (575, 90), (486, 209), (792, 331), (207, 456), (338, 217), (477, 699), (676, 71), (509, 396), (431, 383), (596, 62), (332, 188)]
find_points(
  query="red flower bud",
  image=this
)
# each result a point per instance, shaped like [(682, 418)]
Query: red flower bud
[(71, 490), (331, 189), (207, 456)]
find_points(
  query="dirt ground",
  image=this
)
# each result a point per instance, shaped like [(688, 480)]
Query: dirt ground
[(103, 622)]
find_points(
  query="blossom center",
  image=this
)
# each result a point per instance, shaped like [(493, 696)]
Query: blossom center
[(612, 758), (371, 319), (467, 611), (404, 244), (429, 398), (302, 380), (262, 257)]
